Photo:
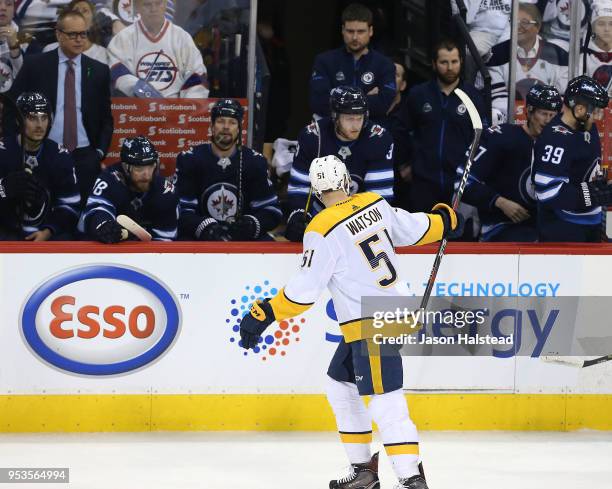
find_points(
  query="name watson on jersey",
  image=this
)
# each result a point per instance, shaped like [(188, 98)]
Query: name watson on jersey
[(362, 221), (460, 339)]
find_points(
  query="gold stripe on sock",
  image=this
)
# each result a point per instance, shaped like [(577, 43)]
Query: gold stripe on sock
[(356, 437), (402, 449)]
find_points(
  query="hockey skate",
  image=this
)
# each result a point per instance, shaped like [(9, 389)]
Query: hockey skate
[(361, 476), (414, 482)]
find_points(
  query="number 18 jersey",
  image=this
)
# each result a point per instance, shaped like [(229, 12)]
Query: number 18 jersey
[(349, 248)]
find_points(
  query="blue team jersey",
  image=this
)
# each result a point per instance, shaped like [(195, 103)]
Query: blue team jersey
[(156, 210), (338, 67), (441, 131), (368, 159), (208, 186), (563, 158), (53, 166), (501, 168)]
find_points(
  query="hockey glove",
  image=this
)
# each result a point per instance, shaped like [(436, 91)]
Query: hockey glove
[(296, 225), (255, 323), (14, 185), (108, 231), (453, 222), (211, 230), (245, 228), (596, 193), (35, 195)]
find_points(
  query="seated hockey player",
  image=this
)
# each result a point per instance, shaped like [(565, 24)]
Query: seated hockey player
[(566, 170), (499, 184), (154, 58), (39, 195), (365, 148), (132, 187), (224, 189), (335, 244)]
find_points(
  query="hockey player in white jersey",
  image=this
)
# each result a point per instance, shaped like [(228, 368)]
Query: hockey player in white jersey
[(156, 58), (349, 248)]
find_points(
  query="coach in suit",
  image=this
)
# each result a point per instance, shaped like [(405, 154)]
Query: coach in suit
[(79, 90)]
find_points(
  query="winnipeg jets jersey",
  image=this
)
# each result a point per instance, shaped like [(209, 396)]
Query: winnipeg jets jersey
[(9, 66), (349, 248), (369, 160), (599, 65), (169, 61), (156, 210), (487, 15), (563, 158), (501, 168), (545, 63)]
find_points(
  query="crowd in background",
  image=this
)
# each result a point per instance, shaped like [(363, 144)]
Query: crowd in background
[(404, 144)]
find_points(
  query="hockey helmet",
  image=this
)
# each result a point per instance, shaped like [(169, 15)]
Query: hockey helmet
[(347, 100), (138, 151), (585, 90), (329, 173), (544, 97), (33, 103), (227, 107)]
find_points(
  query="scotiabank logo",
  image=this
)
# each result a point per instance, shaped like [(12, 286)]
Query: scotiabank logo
[(100, 320)]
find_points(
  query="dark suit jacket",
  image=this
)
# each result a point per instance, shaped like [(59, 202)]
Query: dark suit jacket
[(39, 74)]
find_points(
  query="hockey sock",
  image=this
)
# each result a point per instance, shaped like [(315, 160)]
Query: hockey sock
[(352, 418), (399, 434)]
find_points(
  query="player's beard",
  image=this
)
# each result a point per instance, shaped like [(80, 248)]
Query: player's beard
[(448, 78), (224, 141), (357, 49)]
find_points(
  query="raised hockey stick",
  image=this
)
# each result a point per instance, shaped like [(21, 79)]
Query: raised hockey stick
[(309, 199), (477, 125), (133, 227), (575, 361)]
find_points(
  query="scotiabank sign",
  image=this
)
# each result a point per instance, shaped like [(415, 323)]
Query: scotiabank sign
[(173, 125), (100, 320)]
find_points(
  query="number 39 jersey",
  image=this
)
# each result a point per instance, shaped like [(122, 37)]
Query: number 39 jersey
[(349, 248), (563, 158)]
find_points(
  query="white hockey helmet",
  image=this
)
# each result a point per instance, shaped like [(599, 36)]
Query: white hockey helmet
[(329, 173)]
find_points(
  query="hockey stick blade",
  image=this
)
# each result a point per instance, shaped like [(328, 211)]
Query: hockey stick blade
[(574, 361), (133, 227), (477, 125)]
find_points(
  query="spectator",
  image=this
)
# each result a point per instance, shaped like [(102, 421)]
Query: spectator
[(39, 196), (538, 61), (499, 184), (78, 88), (487, 21), (156, 58), (356, 65), (39, 18), (11, 57), (440, 128), (92, 47), (132, 187), (566, 167), (225, 193), (364, 147), (395, 123), (599, 49)]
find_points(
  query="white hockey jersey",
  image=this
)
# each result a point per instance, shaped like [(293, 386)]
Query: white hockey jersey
[(349, 248), (169, 61), (545, 63), (490, 16), (9, 66), (599, 65)]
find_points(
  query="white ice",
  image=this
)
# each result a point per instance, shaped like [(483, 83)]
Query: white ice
[(453, 460)]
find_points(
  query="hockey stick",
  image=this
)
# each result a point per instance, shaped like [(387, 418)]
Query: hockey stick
[(318, 156), (477, 125), (575, 362), (133, 227)]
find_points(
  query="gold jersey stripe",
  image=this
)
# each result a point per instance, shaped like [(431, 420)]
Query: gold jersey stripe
[(434, 232), (284, 307), (326, 220), (356, 437), (403, 449)]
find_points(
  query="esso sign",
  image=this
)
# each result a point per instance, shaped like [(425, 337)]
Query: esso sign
[(100, 320)]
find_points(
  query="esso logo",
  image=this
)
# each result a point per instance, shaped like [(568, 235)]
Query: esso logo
[(100, 320)]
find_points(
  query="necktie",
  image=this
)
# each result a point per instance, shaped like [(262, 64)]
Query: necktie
[(70, 124)]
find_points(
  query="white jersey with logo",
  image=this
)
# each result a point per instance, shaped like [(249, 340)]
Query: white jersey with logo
[(349, 248), (170, 61), (599, 65)]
